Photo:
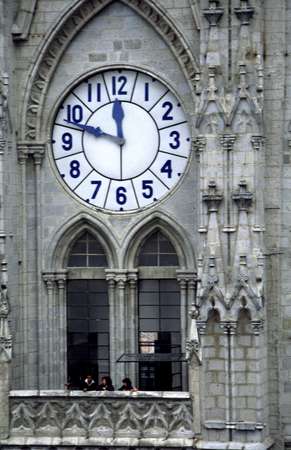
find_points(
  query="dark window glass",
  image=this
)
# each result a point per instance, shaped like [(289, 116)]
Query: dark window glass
[(157, 250), (87, 252), (88, 330), (159, 332)]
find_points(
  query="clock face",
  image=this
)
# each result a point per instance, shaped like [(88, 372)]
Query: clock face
[(120, 140)]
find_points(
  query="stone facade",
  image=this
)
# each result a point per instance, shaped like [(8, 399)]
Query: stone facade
[(228, 220)]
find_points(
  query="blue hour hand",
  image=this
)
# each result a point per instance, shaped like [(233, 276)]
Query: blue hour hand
[(97, 132), (118, 115)]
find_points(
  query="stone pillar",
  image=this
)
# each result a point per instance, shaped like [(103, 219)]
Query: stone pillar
[(121, 319), (47, 332), (61, 308), (112, 322), (5, 358), (132, 329)]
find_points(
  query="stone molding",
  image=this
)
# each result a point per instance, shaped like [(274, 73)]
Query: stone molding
[(36, 150), (21, 27), (71, 22)]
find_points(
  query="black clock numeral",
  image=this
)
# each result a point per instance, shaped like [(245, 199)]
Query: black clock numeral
[(169, 107), (75, 168), (167, 168), (147, 188), (67, 141), (119, 90), (120, 195), (90, 92), (176, 136), (74, 113), (98, 185)]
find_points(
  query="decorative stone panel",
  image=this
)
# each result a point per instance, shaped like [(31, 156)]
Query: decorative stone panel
[(102, 418)]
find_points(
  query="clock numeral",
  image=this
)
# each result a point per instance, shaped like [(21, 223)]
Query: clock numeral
[(120, 195), (90, 92), (119, 90), (169, 107), (74, 113), (98, 185), (67, 141), (167, 168), (176, 144), (146, 92), (75, 168), (147, 187)]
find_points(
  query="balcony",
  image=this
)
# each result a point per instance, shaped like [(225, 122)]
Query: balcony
[(100, 418)]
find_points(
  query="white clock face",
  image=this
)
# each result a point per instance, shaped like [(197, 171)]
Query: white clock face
[(120, 140)]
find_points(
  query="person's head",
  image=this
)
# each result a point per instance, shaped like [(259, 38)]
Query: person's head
[(89, 378), (127, 383), (106, 381)]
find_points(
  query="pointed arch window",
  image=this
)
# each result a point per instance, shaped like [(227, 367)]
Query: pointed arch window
[(87, 251), (88, 340), (159, 315), (157, 250)]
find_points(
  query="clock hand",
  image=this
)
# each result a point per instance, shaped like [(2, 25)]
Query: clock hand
[(97, 132), (118, 115)]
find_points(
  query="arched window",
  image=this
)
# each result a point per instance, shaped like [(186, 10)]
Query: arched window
[(157, 250), (87, 311), (159, 316), (87, 252)]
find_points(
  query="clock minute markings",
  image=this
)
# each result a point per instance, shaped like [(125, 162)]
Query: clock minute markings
[(106, 88), (83, 103), (173, 154), (162, 96), (172, 125), (155, 175), (133, 88), (86, 176), (107, 193), (134, 191), (68, 156)]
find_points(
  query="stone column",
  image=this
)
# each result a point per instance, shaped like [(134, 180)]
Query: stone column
[(121, 319), (5, 359), (110, 277), (25, 366), (132, 329), (47, 332), (229, 330), (61, 322), (37, 152)]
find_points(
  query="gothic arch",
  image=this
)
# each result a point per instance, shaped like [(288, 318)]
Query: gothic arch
[(170, 229), (57, 252), (59, 37)]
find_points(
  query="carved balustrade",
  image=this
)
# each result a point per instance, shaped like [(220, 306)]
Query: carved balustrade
[(101, 418)]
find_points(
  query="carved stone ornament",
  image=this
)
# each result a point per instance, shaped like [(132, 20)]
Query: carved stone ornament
[(193, 346), (214, 13), (245, 12), (104, 420), (242, 197), (212, 197), (5, 335), (71, 22)]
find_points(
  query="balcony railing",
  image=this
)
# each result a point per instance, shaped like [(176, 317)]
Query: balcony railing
[(101, 418)]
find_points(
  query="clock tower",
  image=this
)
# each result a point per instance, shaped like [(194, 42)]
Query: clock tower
[(144, 224)]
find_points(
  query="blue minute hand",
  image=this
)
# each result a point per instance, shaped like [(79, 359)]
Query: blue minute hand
[(118, 115), (97, 132)]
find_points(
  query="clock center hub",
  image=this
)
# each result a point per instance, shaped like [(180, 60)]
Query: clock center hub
[(140, 148)]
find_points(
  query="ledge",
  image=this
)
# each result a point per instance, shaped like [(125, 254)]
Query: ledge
[(108, 394), (213, 445)]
